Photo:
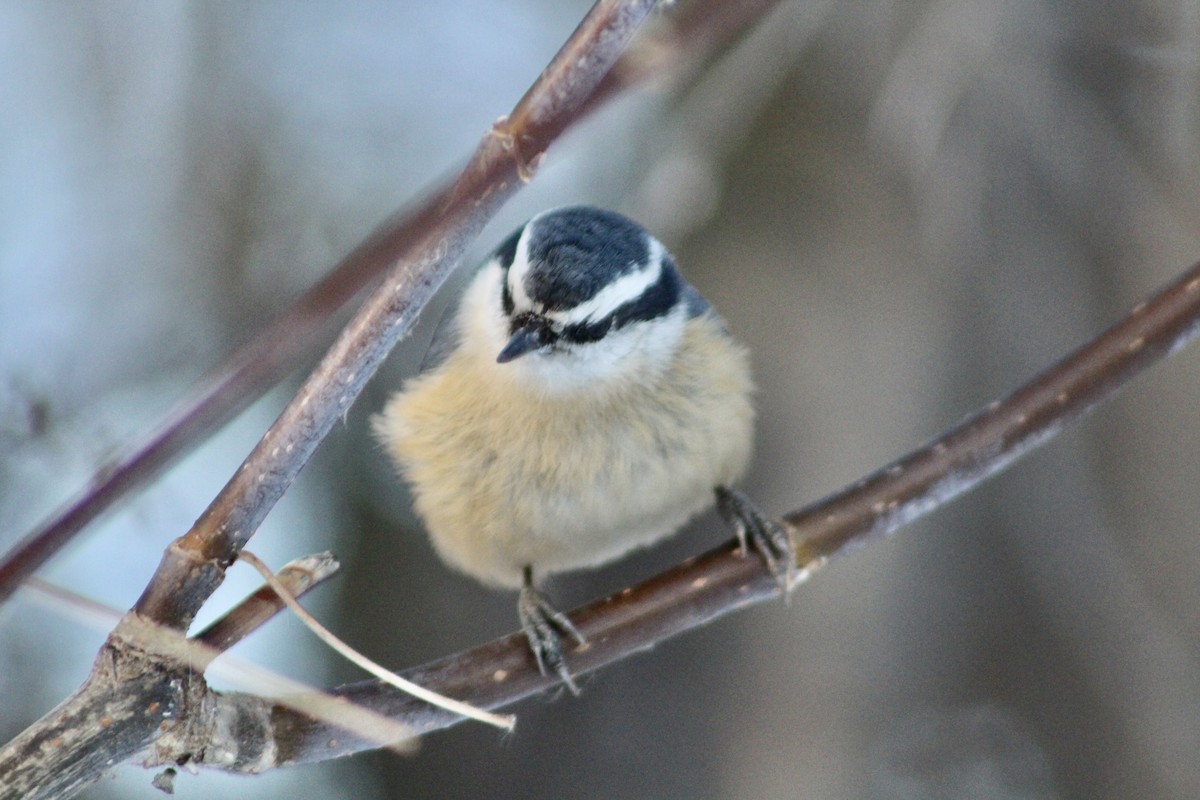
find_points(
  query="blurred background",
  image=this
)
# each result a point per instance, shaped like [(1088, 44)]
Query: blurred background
[(904, 208)]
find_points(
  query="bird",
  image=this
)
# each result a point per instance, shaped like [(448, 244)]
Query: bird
[(582, 400)]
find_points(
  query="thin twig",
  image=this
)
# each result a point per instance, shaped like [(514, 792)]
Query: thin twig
[(106, 720), (279, 347), (334, 711), (297, 577), (503, 161), (505, 722), (707, 587)]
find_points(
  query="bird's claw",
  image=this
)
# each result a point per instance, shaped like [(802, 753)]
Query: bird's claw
[(769, 538), (544, 627)]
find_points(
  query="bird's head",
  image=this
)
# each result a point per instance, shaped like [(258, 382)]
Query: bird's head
[(580, 295)]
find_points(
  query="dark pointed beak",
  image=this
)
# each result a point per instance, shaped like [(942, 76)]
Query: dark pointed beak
[(525, 339)]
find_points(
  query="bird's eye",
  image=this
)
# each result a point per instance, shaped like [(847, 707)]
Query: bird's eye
[(587, 332), (523, 320), (529, 320)]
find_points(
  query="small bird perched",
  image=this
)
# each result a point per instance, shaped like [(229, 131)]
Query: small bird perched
[(582, 401)]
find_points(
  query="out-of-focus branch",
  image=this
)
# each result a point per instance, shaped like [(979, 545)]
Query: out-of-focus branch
[(193, 565), (701, 27), (298, 577), (684, 38), (723, 580), (72, 745)]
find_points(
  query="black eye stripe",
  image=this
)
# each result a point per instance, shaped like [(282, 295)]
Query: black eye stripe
[(586, 332), (656, 301)]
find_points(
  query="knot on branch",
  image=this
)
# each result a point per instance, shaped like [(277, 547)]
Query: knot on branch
[(183, 580), (514, 141), (187, 721)]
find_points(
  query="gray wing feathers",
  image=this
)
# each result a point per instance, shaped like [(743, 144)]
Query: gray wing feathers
[(446, 337), (696, 304)]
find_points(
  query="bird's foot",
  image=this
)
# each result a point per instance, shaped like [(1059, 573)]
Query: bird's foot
[(544, 627), (769, 538)]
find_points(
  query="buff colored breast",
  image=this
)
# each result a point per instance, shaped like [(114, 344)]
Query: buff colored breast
[(591, 478)]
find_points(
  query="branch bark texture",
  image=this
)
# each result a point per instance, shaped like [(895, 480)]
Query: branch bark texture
[(723, 580), (504, 160), (108, 719), (701, 28), (134, 696)]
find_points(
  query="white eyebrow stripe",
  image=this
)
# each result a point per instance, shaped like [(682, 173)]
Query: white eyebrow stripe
[(624, 289)]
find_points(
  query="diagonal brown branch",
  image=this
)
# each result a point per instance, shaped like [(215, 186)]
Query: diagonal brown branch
[(700, 28), (135, 695), (502, 162), (709, 586), (702, 589)]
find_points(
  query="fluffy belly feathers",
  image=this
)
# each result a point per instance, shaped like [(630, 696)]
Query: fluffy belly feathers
[(557, 483)]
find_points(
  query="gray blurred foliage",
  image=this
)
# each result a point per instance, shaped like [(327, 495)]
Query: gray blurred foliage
[(905, 209)]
